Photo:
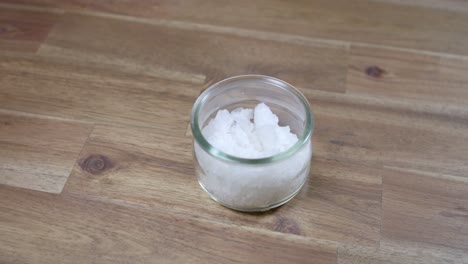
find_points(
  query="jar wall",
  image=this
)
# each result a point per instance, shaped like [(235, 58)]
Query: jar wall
[(253, 185)]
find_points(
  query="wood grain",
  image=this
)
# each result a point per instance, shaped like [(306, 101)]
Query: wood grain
[(155, 168), (390, 73), (420, 208), (191, 51), (24, 30), (454, 72), (400, 252), (79, 91), (54, 229), (452, 5), (378, 132), (18, 46), (357, 21), (37, 152), (100, 92), (65, 4)]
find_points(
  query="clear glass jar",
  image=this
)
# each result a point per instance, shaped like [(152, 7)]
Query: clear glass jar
[(253, 184)]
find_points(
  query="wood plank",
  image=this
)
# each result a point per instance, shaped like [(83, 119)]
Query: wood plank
[(154, 168), (37, 152), (94, 232), (454, 71), (425, 209), (379, 132), (389, 103), (82, 91), (341, 203), (451, 5), (358, 21), (397, 74), (67, 4), (24, 30), (195, 52), (19, 46), (400, 252)]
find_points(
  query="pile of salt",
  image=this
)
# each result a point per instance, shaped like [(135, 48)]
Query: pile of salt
[(248, 133), (251, 133)]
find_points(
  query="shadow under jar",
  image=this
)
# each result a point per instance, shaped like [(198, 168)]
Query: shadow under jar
[(245, 184)]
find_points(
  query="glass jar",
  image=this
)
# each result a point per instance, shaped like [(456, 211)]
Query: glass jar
[(253, 184)]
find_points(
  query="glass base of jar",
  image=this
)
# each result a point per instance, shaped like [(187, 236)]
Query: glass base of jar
[(252, 210)]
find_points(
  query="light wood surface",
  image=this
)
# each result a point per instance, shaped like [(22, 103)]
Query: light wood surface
[(38, 152), (96, 160)]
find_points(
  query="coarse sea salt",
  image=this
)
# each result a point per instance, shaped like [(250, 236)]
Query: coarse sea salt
[(251, 134)]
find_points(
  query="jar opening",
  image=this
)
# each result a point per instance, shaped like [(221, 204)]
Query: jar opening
[(303, 137)]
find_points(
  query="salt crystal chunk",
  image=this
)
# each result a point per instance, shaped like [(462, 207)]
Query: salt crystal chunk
[(223, 121), (263, 116), (285, 137), (242, 114), (267, 137), (246, 125), (240, 136), (249, 133)]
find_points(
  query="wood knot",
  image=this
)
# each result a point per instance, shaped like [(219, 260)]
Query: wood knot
[(288, 226), (374, 71), (96, 164)]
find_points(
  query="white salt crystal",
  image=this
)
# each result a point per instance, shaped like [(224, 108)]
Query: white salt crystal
[(263, 116), (251, 133)]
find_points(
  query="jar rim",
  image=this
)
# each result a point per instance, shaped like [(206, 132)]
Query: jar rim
[(302, 139)]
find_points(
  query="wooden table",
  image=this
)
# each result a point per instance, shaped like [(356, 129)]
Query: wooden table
[(95, 150)]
